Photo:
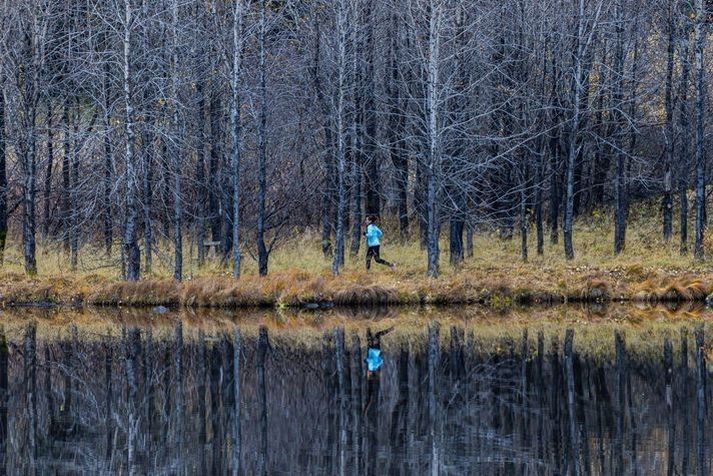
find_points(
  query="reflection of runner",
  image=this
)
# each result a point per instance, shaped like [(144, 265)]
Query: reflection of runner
[(373, 359)]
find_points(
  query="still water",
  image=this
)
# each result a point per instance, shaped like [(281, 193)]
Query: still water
[(542, 392)]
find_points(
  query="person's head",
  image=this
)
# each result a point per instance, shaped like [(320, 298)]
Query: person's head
[(370, 220)]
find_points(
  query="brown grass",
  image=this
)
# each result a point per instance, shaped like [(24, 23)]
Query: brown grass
[(648, 270)]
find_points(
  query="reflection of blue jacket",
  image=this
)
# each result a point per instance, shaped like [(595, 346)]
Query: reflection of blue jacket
[(372, 235), (373, 359)]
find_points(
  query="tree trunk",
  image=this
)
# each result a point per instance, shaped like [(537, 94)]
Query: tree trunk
[(130, 243), (685, 137), (397, 145), (578, 90), (700, 118), (262, 253), (65, 200), (28, 192), (150, 149), (74, 194), (456, 239), (617, 105), (667, 201), (215, 216), (372, 182), (175, 153), (434, 158), (47, 192), (341, 22), (200, 174), (3, 172), (108, 168), (235, 131)]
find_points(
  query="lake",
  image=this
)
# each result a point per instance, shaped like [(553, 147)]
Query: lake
[(541, 391)]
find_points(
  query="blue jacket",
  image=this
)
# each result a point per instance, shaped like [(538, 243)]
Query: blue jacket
[(373, 234)]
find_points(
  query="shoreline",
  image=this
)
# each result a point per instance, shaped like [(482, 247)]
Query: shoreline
[(302, 290)]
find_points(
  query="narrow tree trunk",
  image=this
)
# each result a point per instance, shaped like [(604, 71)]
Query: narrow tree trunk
[(357, 175), (3, 171), (433, 166), (175, 155), (74, 194), (108, 168), (456, 239), (667, 201), (65, 199), (130, 243), (539, 178), (28, 208), (235, 131), (372, 182), (578, 88), (200, 174), (620, 180), (524, 224), (397, 131), (150, 148), (262, 253), (685, 137), (555, 197), (341, 22), (215, 217), (48, 174), (700, 118)]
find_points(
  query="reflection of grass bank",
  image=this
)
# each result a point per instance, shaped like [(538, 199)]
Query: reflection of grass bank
[(490, 332)]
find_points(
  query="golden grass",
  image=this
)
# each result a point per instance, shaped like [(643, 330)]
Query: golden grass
[(648, 270)]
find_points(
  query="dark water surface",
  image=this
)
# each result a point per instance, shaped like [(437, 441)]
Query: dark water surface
[(452, 397)]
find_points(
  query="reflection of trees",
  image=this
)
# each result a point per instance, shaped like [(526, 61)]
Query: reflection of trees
[(129, 403)]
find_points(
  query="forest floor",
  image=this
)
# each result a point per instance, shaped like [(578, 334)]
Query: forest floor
[(496, 276)]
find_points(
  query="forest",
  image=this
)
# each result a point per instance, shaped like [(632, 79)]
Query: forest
[(138, 130)]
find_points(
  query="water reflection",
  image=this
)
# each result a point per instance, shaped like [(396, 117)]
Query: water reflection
[(450, 399)]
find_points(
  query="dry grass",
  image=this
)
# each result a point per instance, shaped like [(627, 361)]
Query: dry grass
[(648, 270)]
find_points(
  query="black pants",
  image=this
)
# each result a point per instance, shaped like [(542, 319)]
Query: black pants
[(373, 252)]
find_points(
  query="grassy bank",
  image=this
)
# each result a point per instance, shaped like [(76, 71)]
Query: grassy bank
[(496, 276)]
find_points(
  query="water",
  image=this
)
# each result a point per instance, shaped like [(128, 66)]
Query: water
[(131, 392)]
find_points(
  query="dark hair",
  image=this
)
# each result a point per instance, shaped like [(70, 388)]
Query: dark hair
[(371, 218)]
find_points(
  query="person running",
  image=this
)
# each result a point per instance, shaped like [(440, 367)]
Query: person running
[(373, 242)]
